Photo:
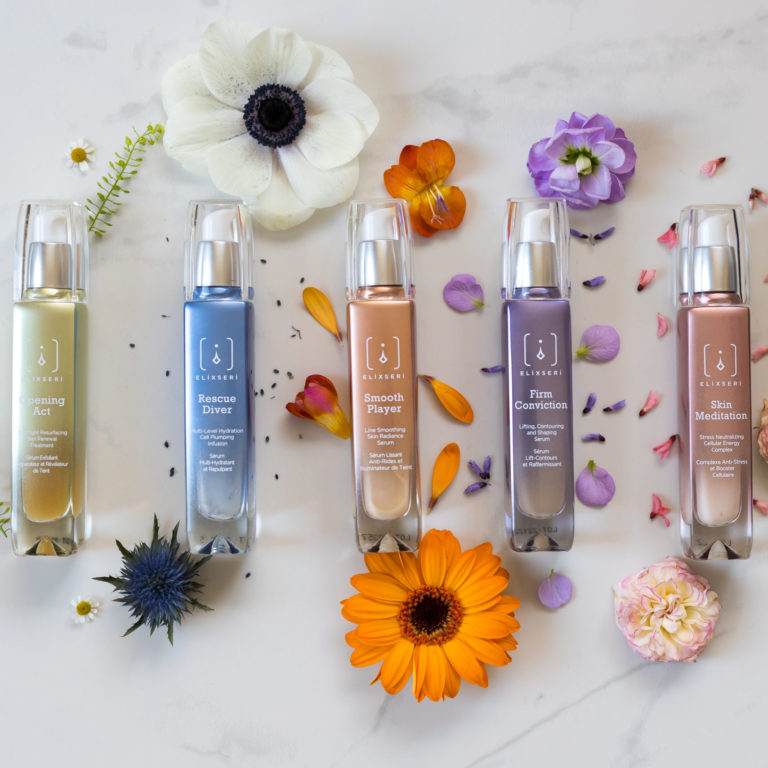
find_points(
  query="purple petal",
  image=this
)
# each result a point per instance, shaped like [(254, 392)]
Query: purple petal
[(598, 183), (630, 156), (555, 590), (601, 121), (487, 466), (599, 343), (617, 190), (593, 437), (602, 235), (576, 233), (474, 488), (594, 486), (591, 400), (594, 282), (571, 137), (493, 369), (463, 293), (610, 155), (565, 178), (615, 407), (576, 120), (539, 160), (475, 467)]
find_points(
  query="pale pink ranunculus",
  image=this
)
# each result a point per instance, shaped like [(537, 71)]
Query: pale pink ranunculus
[(666, 612)]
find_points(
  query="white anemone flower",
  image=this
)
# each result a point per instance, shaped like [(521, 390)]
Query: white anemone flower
[(271, 118)]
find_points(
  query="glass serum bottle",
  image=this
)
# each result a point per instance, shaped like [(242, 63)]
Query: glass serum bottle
[(536, 333), (382, 376), (713, 380), (218, 375), (50, 331)]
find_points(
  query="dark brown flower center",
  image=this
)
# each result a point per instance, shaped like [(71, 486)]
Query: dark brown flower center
[(274, 115), (430, 616)]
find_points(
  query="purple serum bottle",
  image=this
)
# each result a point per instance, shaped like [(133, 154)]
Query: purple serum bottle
[(536, 332)]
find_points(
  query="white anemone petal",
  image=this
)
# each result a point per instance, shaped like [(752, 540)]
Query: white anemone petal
[(240, 166), (330, 94), (331, 139), (277, 56), (182, 79), (318, 188), (326, 63), (223, 61), (278, 207), (195, 125)]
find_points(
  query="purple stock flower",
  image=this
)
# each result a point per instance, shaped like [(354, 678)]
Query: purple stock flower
[(555, 590), (615, 407), (594, 282), (463, 293), (484, 473), (599, 344), (587, 161), (594, 485)]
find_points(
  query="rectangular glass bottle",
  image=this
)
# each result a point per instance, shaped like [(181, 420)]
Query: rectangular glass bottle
[(536, 332), (713, 376), (50, 331), (218, 374), (382, 376)]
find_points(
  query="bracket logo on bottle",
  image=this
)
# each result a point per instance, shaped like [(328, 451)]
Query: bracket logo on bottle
[(216, 359), (43, 360), (721, 365), (382, 358)]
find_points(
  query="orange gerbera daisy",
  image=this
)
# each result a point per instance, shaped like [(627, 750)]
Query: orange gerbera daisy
[(418, 178), (438, 615)]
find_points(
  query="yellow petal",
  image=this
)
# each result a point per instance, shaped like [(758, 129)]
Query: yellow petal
[(319, 306), (452, 400), (445, 469), (398, 662)]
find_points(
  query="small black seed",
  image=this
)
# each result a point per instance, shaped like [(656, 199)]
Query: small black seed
[(274, 384), (132, 345), (172, 472), (167, 239), (289, 374), (279, 303), (266, 439), (164, 315), (167, 373), (261, 392), (167, 444), (302, 280), (274, 370), (301, 437), (263, 261), (248, 575), (277, 477)]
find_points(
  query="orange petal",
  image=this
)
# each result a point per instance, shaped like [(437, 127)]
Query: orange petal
[(359, 608), (452, 680), (396, 665), (507, 643), (409, 156), (419, 225), (481, 591), (452, 400), (379, 632), (459, 570), (319, 306), (464, 661), (508, 604), (489, 625), (401, 566), (445, 469), (435, 160), (442, 207), (432, 560), (487, 651), (404, 182), (379, 586), (365, 655), (434, 682), (419, 671), (488, 605)]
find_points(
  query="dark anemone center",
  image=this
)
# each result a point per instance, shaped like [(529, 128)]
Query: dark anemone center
[(274, 115), (430, 615)]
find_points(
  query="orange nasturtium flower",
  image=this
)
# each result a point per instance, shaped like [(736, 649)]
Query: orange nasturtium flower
[(319, 402), (439, 616), (419, 178)]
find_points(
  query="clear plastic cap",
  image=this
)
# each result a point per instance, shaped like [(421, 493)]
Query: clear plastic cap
[(712, 253), (218, 247), (535, 260), (51, 248), (379, 246)]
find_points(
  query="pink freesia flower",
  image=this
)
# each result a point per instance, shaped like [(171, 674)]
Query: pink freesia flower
[(669, 238), (319, 402), (758, 353), (762, 506), (709, 168), (762, 431), (658, 509), (645, 277), (664, 448), (756, 194), (650, 402), (666, 612), (662, 325)]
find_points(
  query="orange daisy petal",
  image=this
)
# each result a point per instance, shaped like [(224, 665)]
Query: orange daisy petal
[(432, 559), (435, 160), (480, 607), (399, 661), (379, 586), (419, 671), (403, 182), (401, 566), (484, 567), (359, 608), (452, 681), (459, 570), (434, 683), (379, 632), (442, 207), (366, 655), (465, 662), (487, 651), (508, 604), (409, 156), (489, 625), (478, 592), (507, 643)]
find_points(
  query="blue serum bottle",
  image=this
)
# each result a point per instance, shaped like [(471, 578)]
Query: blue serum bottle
[(218, 374)]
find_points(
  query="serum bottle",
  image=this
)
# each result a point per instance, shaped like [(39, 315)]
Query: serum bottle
[(536, 332), (50, 330), (382, 376), (218, 371), (713, 377)]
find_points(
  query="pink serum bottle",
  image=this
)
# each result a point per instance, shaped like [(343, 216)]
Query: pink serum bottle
[(536, 317), (715, 427), (382, 376)]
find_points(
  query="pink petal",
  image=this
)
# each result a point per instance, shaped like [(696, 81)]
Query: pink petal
[(758, 353), (765, 279), (662, 326), (658, 509), (709, 168), (762, 506), (669, 238), (664, 448), (645, 277), (650, 402)]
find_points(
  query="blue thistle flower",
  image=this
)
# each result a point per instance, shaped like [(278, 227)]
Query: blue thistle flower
[(157, 583)]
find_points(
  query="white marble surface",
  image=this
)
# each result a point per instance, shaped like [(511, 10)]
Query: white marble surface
[(265, 680)]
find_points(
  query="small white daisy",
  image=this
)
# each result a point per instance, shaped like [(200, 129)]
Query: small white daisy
[(80, 155), (85, 609)]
